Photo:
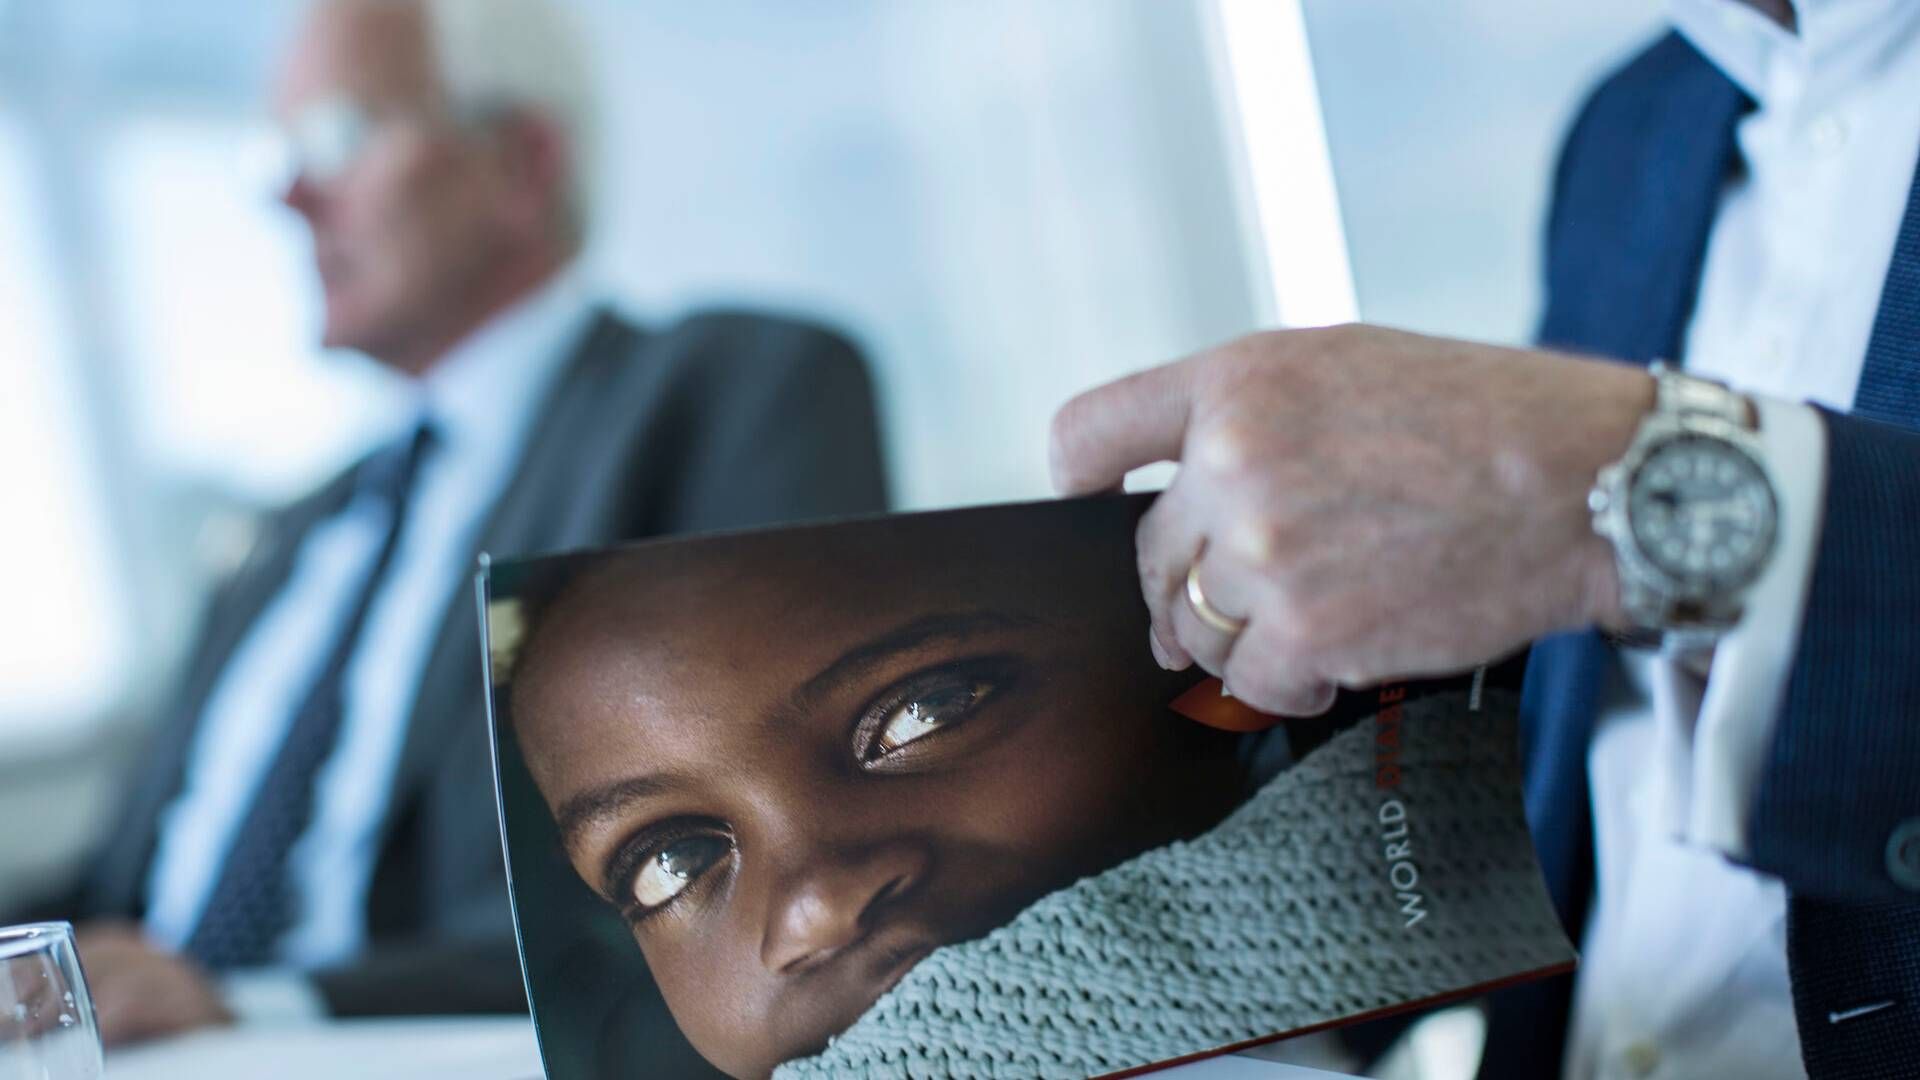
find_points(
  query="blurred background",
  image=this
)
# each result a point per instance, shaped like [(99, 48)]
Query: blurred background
[(1003, 202)]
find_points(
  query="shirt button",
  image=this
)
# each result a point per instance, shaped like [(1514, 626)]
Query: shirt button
[(1828, 134), (1641, 1058), (1903, 855)]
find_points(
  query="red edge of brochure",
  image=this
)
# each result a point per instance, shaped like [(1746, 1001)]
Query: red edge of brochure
[(1448, 998)]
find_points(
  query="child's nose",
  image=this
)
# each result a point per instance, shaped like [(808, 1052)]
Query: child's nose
[(835, 903)]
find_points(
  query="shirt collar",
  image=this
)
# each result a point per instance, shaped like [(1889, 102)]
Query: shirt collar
[(490, 384), (1845, 40)]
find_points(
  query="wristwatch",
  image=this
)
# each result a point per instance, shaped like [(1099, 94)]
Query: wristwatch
[(1690, 509)]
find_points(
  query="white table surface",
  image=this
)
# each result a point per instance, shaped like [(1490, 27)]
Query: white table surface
[(410, 1049), (442, 1048), (1238, 1067)]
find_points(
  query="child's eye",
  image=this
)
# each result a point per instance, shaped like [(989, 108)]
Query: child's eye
[(675, 866), (925, 712)]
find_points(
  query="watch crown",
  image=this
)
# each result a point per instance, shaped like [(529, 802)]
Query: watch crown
[(1598, 500)]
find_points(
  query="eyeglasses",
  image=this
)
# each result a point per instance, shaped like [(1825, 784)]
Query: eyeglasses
[(319, 143), (325, 138)]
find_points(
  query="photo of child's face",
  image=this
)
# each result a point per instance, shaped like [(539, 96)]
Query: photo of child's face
[(791, 802)]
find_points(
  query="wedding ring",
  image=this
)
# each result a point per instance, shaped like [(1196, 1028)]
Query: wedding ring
[(1207, 613)]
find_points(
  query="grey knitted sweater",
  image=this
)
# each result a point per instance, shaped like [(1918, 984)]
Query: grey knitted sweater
[(1330, 894)]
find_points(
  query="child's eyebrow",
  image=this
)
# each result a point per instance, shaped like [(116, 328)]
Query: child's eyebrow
[(919, 632), (606, 801)]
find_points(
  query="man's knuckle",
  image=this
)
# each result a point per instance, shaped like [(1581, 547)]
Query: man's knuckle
[(1286, 622), (1259, 540), (1229, 446), (1270, 689), (1154, 581), (1148, 566), (1321, 644), (1252, 673), (1147, 558)]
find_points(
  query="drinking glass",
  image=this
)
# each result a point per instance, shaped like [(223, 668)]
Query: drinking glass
[(47, 1030)]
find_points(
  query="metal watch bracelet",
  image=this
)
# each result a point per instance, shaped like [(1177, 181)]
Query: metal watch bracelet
[(1657, 600)]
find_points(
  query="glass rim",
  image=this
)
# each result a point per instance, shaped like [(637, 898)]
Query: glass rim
[(23, 938)]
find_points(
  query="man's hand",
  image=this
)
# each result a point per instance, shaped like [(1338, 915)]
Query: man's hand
[(143, 992), (1374, 504)]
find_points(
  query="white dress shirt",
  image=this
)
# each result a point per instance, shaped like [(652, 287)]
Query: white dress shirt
[(1684, 972), (482, 399)]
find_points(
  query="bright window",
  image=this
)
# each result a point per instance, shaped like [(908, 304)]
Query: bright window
[(219, 316), (62, 642)]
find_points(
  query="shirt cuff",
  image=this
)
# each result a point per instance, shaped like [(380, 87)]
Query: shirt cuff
[(1733, 728), (272, 996)]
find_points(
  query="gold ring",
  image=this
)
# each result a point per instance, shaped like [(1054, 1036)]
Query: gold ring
[(1212, 616)]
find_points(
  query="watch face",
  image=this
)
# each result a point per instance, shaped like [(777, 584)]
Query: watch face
[(1702, 512)]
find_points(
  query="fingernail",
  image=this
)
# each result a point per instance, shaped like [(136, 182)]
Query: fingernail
[(1159, 654), (1172, 657)]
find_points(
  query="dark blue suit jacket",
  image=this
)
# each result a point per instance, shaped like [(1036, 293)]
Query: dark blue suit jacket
[(1837, 815)]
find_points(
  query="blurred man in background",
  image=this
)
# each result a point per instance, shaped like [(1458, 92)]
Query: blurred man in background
[(313, 829)]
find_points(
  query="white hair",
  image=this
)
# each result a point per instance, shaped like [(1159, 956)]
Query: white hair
[(521, 54)]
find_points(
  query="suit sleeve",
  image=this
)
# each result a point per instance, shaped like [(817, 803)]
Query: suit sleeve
[(1837, 812)]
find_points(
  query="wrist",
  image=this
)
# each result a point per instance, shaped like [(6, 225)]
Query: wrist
[(1618, 400), (1599, 576)]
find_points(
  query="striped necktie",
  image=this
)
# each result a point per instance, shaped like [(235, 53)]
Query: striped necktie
[(252, 902)]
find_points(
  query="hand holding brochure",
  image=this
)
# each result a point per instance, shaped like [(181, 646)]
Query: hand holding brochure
[(908, 796)]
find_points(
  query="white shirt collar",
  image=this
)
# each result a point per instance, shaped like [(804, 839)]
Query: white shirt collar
[(487, 388), (1834, 41)]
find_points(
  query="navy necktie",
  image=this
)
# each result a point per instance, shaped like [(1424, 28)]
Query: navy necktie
[(252, 902)]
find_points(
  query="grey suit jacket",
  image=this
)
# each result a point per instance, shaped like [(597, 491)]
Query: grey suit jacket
[(724, 420)]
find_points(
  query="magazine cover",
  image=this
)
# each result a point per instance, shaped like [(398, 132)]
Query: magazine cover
[(908, 796)]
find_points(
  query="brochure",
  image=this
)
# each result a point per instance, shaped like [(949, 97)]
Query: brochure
[(908, 796)]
